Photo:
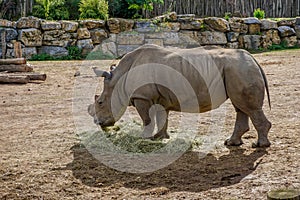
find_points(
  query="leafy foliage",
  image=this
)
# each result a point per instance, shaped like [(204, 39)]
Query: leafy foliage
[(74, 53), (73, 8), (96, 9), (119, 8), (142, 5), (258, 13), (50, 9)]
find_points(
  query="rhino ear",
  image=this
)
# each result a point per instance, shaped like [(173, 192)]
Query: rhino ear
[(112, 67), (101, 73), (96, 97)]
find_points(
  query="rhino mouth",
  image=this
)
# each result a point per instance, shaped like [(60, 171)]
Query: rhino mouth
[(104, 124)]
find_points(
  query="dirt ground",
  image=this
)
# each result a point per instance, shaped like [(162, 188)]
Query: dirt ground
[(42, 158)]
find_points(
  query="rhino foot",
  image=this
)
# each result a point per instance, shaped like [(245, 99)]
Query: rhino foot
[(261, 144), (161, 135), (231, 142)]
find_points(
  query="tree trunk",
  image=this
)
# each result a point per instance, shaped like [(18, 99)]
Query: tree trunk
[(3, 43), (18, 50), (14, 79), (34, 76), (16, 68), (13, 61)]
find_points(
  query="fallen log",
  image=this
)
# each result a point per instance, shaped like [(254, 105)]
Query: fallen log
[(13, 61), (34, 76), (16, 68), (14, 79)]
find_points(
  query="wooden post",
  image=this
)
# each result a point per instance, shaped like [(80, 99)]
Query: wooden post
[(18, 50), (16, 68), (14, 79), (3, 43)]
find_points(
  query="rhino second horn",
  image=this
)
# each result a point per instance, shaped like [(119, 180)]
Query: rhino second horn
[(101, 73)]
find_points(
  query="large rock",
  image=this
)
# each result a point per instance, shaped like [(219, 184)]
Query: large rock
[(124, 49), (30, 37), (218, 24), (286, 31), (191, 24), (189, 39), (53, 51), (210, 38), (232, 36), (297, 21), (11, 34), (92, 24), (117, 25), (250, 41), (170, 26), (98, 35), (233, 45), (107, 48), (50, 25), (270, 37), (7, 23), (86, 44), (297, 29), (28, 52), (69, 26), (145, 26), (287, 22), (252, 20), (267, 24), (170, 38), (254, 29), (28, 22), (131, 38), (83, 33), (169, 17), (290, 41), (57, 38), (159, 42), (237, 25)]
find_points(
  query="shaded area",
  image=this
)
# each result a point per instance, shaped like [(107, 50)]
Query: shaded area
[(188, 173)]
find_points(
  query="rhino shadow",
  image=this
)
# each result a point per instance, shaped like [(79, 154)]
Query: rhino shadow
[(189, 173)]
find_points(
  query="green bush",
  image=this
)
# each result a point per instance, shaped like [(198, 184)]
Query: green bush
[(99, 55), (96, 9), (258, 13), (142, 5), (74, 53), (119, 8), (227, 16), (73, 8), (50, 9)]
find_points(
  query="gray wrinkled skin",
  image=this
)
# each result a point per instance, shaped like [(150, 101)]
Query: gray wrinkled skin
[(157, 80)]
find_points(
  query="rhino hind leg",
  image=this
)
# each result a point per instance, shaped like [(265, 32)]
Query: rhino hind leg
[(262, 125), (240, 128)]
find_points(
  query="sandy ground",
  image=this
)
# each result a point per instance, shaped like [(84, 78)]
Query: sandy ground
[(42, 158)]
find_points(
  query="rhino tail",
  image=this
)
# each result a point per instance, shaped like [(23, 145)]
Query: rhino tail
[(266, 82)]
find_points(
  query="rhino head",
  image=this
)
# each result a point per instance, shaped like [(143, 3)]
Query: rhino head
[(101, 110)]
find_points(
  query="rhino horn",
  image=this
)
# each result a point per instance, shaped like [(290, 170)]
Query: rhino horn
[(101, 73)]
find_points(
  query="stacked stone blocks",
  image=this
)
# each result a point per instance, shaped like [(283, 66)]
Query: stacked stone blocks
[(116, 37)]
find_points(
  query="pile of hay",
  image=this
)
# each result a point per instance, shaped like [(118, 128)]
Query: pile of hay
[(126, 138)]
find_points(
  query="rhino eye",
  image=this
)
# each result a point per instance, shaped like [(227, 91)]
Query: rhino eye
[(100, 102)]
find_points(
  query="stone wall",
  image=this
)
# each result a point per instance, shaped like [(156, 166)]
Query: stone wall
[(115, 37)]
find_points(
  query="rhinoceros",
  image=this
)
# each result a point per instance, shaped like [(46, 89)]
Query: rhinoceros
[(186, 80)]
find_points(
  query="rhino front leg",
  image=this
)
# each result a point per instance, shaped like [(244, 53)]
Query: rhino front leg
[(147, 116), (162, 123), (240, 128), (262, 125)]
